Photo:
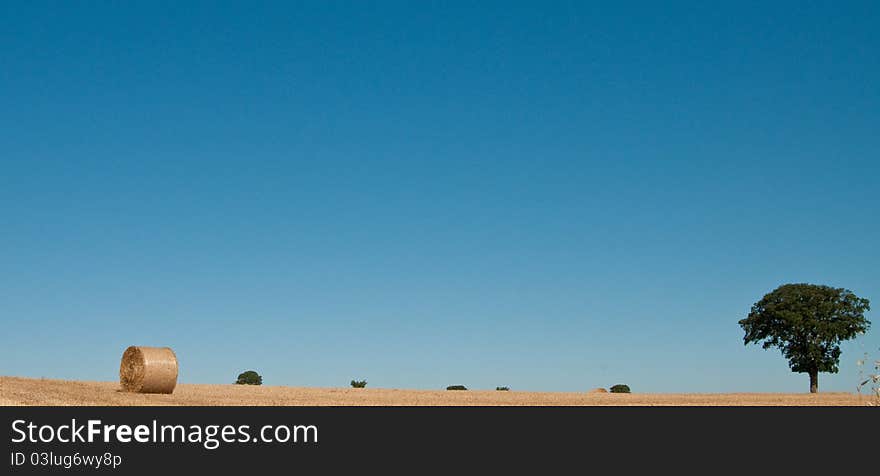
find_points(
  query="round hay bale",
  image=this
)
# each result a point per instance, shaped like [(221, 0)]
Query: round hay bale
[(148, 370), (598, 390)]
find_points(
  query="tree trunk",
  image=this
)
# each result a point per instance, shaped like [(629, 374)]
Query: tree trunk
[(814, 381)]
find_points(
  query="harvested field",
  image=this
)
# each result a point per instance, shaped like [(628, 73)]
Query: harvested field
[(26, 391)]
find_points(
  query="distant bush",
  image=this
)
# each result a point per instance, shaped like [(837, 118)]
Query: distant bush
[(358, 383), (502, 389), (620, 388), (249, 378), (456, 387)]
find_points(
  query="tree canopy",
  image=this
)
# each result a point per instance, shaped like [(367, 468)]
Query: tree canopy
[(249, 378), (807, 322)]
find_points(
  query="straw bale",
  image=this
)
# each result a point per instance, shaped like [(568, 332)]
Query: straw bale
[(148, 370)]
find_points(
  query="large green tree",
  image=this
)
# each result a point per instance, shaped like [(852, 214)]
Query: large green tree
[(807, 322)]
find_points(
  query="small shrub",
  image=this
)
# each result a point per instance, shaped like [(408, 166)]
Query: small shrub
[(502, 389), (249, 378), (620, 388), (456, 387), (358, 383)]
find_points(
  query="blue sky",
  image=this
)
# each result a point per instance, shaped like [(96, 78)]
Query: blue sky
[(547, 196)]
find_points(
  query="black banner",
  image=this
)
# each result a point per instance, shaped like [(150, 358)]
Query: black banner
[(331, 440)]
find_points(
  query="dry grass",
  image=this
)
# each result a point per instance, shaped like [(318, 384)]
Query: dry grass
[(25, 391)]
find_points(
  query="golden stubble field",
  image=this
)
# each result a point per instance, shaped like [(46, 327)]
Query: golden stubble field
[(28, 391)]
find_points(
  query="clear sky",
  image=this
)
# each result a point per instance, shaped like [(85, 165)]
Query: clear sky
[(547, 196)]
